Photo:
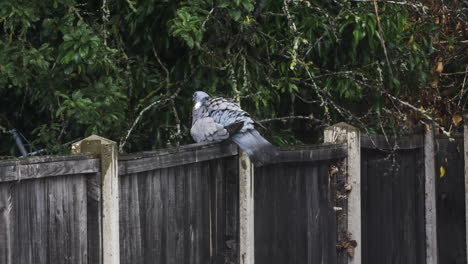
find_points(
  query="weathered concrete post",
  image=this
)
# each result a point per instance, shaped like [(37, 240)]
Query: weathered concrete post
[(344, 133), (109, 192), (246, 209), (430, 196), (465, 145)]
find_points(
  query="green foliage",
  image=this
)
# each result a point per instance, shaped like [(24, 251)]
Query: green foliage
[(70, 69)]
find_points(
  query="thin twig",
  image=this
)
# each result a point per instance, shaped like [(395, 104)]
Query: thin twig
[(454, 73), (140, 115), (462, 92), (178, 134), (207, 18), (424, 113), (285, 118), (382, 41)]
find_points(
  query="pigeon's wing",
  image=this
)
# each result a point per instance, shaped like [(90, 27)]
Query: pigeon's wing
[(207, 130), (226, 112), (219, 103)]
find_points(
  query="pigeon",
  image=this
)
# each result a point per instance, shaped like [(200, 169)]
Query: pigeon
[(217, 119)]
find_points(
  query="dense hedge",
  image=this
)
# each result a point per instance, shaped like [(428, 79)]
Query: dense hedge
[(73, 68)]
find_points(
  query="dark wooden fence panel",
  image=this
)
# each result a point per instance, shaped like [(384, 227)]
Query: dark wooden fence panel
[(182, 214), (294, 217), (44, 210), (450, 201), (393, 227), (44, 220)]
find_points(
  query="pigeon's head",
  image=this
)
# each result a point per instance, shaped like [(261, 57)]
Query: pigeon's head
[(199, 97)]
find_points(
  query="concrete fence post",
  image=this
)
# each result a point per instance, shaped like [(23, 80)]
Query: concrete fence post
[(349, 135), (430, 196), (246, 210), (106, 150)]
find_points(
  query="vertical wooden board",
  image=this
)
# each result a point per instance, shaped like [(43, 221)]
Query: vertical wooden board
[(180, 208), (198, 221), (283, 211), (58, 238), (392, 207), (39, 214), (78, 221), (374, 202), (262, 236), (218, 211), (420, 198), (365, 204), (151, 213), (327, 214), (165, 213), (67, 220), (312, 206), (402, 215), (232, 209), (270, 180), (301, 230), (450, 201), (294, 218), (94, 218), (212, 210), (191, 213), (134, 218), (124, 223), (403, 211), (21, 207), (205, 218), (7, 224), (329, 169), (171, 213)]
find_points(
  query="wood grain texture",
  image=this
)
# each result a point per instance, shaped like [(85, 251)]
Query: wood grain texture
[(147, 161), (44, 221), (94, 216), (175, 219), (39, 168), (313, 153), (393, 207), (294, 217), (430, 194), (67, 220), (450, 201), (7, 238)]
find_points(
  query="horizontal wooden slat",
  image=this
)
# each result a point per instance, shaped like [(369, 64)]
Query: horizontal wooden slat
[(391, 143), (174, 157), (44, 159), (313, 153), (29, 169)]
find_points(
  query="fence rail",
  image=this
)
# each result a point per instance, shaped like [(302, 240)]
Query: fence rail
[(356, 199)]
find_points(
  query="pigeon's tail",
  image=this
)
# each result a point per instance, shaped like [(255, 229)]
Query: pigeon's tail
[(259, 150)]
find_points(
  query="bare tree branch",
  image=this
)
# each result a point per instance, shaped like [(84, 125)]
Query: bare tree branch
[(160, 102), (285, 118), (382, 41)]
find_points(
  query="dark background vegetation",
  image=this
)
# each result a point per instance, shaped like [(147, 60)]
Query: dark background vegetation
[(70, 68)]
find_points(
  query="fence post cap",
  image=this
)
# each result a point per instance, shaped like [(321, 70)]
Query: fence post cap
[(91, 140), (343, 125)]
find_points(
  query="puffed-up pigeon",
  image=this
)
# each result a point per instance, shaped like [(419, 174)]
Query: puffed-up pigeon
[(217, 119)]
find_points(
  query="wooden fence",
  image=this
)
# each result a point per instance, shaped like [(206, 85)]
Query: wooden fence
[(393, 202), (357, 199), (450, 186), (48, 210)]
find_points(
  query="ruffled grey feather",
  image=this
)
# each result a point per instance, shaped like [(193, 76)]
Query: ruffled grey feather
[(216, 119)]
